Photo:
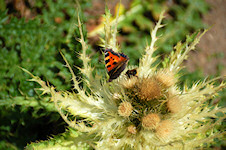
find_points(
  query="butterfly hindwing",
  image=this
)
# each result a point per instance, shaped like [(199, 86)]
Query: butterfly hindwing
[(115, 63)]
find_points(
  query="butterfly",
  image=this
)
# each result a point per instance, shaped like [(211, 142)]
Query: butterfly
[(131, 73), (115, 63)]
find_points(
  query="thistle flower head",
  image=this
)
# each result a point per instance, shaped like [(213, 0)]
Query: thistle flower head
[(125, 109), (151, 121), (143, 111), (149, 89)]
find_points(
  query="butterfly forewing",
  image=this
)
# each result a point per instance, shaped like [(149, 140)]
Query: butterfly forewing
[(111, 59)]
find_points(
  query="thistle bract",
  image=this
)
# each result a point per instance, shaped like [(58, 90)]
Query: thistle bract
[(146, 110)]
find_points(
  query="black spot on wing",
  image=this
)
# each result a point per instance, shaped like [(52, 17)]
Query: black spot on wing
[(108, 66), (107, 61), (114, 63)]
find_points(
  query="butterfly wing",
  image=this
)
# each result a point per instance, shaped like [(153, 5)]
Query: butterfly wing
[(115, 63)]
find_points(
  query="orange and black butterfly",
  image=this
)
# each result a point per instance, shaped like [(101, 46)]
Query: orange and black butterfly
[(115, 63)]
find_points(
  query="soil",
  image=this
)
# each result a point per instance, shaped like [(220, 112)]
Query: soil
[(211, 52)]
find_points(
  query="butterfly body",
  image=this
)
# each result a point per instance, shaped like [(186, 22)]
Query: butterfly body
[(115, 63)]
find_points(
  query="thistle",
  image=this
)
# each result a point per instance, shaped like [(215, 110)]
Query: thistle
[(147, 110)]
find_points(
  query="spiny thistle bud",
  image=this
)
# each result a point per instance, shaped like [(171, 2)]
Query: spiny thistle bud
[(125, 109), (164, 129), (149, 89), (165, 77), (132, 129), (151, 121)]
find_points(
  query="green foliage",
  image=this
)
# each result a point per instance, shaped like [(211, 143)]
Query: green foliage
[(34, 44), (32, 118)]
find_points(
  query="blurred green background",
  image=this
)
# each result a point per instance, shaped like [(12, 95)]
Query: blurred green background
[(33, 32)]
